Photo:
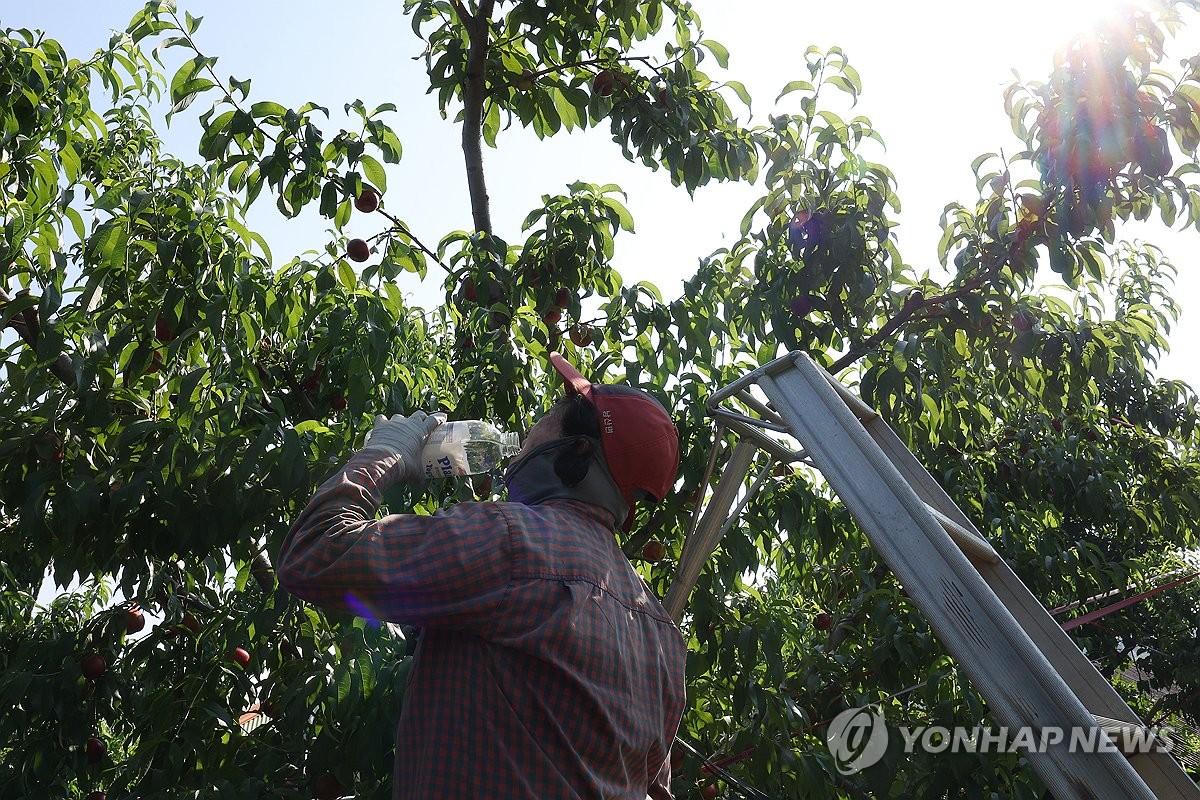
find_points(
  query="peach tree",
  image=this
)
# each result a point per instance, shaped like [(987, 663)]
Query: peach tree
[(173, 390)]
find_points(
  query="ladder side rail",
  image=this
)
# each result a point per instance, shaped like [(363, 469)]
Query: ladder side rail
[(1164, 775), (1019, 683), (702, 541)]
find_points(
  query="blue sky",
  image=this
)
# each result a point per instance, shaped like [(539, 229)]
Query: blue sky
[(933, 87)]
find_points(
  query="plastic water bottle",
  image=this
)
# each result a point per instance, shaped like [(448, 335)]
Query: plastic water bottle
[(467, 447)]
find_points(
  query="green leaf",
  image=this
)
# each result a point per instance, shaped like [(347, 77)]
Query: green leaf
[(215, 139), (566, 109), (343, 214), (395, 300), (794, 86), (243, 575), (267, 108), (70, 163), (311, 426), (718, 50), (843, 84), (374, 172), (346, 275), (248, 236), (740, 90), (185, 85), (624, 218), (748, 219), (190, 382), (491, 124), (386, 140), (329, 200), (76, 222), (241, 87), (112, 197), (107, 241), (1091, 263)]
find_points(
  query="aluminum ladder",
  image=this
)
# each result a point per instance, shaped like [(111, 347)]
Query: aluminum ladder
[(1017, 657)]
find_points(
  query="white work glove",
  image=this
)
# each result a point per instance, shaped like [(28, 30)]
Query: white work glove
[(404, 437)]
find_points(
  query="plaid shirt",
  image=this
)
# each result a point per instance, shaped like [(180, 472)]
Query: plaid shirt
[(546, 668)]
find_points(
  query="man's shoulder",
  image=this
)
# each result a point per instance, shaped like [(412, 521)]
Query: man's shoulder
[(478, 511), (549, 513), (535, 523)]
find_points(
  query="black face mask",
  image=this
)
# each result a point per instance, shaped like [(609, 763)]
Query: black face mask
[(535, 478)]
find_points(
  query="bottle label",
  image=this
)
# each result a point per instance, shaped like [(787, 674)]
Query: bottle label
[(449, 433), (446, 465), (464, 447)]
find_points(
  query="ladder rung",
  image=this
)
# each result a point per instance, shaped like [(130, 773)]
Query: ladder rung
[(974, 546), (765, 411)]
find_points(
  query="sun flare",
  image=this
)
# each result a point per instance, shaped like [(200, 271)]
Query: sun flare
[(1071, 17), (1046, 26)]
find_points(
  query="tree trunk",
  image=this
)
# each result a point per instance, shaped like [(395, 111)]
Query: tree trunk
[(474, 94)]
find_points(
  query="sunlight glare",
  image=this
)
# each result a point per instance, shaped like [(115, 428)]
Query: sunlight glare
[(1058, 21)]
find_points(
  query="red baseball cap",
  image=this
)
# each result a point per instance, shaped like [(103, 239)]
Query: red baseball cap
[(640, 442)]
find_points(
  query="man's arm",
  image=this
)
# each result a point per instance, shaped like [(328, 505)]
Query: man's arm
[(451, 569), (660, 787)]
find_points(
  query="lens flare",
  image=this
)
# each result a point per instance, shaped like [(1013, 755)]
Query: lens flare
[(362, 609)]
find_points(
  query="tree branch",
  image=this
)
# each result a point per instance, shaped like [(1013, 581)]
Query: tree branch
[(845, 626), (28, 326), (905, 314), (263, 573), (408, 234)]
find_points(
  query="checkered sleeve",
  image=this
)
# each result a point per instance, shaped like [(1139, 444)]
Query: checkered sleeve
[(660, 787), (451, 569)]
